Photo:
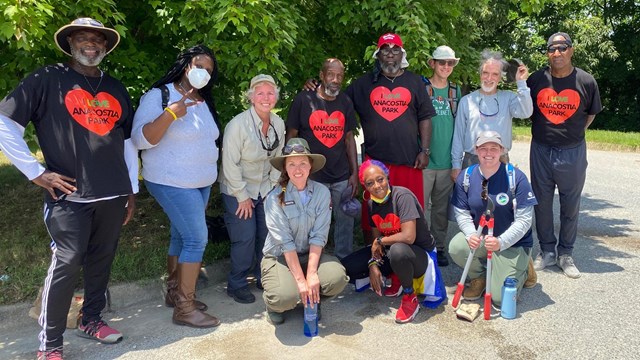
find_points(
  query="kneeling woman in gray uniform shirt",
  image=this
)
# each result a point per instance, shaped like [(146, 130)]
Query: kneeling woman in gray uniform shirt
[(298, 214)]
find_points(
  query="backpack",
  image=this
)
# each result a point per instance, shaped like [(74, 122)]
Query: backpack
[(165, 95), (453, 94), (511, 176)]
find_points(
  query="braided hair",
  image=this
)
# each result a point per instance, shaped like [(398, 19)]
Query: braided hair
[(284, 179), (176, 71)]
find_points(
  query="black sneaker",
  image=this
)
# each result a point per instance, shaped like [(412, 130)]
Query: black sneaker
[(242, 295), (442, 259)]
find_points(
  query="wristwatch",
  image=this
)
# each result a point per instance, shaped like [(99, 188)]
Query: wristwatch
[(427, 151)]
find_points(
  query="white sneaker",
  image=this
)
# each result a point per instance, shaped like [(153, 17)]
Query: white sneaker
[(567, 265), (543, 260)]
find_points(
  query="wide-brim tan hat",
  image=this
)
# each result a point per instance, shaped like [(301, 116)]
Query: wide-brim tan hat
[(60, 37), (298, 147)]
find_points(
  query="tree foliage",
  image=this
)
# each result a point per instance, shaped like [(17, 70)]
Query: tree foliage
[(290, 39)]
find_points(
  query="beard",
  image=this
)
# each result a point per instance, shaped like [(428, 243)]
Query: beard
[(78, 56), (332, 90), (390, 69), (488, 88)]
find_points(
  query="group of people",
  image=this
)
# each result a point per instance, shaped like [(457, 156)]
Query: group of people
[(426, 149)]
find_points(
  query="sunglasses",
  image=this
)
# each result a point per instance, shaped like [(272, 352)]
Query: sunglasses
[(297, 148), (485, 189), (561, 48), (269, 147), (393, 50), (488, 115), (451, 63)]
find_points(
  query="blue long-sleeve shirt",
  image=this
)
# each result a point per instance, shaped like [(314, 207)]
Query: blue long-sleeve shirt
[(477, 113)]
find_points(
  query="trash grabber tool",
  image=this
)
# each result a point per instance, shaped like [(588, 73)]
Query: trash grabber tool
[(488, 220), (460, 287)]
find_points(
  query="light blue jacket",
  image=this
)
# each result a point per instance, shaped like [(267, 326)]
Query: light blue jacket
[(294, 226)]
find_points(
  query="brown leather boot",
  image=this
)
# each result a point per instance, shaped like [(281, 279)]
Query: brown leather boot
[(172, 284), (185, 311), (532, 277)]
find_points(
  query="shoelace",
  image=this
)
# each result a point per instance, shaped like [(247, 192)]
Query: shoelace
[(48, 353), (93, 327)]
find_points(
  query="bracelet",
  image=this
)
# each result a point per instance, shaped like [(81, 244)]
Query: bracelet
[(379, 240), (175, 117), (372, 262)]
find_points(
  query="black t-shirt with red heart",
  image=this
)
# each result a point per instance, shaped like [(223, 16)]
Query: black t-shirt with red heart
[(390, 110), (402, 206), (561, 106), (80, 135), (324, 124)]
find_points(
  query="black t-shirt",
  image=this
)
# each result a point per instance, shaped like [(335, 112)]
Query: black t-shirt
[(324, 124), (389, 112), (561, 106), (81, 135), (403, 206)]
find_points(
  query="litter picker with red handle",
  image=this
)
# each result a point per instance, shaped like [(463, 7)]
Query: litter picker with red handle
[(485, 220)]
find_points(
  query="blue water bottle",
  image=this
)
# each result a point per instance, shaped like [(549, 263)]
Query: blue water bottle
[(311, 320), (509, 295)]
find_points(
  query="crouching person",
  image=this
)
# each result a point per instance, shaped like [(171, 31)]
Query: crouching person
[(513, 200), (403, 248), (298, 214)]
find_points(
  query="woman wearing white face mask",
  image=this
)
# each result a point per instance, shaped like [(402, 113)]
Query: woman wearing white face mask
[(179, 156), (251, 139)]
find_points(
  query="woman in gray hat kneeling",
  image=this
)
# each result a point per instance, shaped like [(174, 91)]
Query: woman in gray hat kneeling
[(298, 216)]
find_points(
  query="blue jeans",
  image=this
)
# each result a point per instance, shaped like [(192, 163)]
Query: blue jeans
[(186, 211), (343, 230), (247, 240)]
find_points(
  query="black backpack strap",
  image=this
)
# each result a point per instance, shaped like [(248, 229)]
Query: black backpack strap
[(453, 98), (165, 96), (428, 86)]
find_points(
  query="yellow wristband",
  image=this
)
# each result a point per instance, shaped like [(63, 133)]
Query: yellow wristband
[(175, 117)]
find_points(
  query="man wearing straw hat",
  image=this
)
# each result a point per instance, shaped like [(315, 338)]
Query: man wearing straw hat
[(82, 118)]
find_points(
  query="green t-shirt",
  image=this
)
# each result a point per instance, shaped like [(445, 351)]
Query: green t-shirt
[(442, 130)]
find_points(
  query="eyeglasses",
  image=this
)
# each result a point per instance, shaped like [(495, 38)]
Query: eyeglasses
[(561, 48), (488, 115), (390, 50), (269, 147), (451, 63), (297, 148), (485, 189)]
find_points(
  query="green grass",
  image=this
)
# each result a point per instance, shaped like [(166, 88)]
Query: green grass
[(596, 139)]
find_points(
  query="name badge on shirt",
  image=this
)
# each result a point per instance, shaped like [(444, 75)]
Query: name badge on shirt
[(290, 202)]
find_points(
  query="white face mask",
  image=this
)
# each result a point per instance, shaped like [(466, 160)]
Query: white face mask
[(198, 78)]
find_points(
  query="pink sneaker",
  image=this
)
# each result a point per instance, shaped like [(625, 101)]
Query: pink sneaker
[(99, 330), (395, 289), (408, 310), (55, 354)]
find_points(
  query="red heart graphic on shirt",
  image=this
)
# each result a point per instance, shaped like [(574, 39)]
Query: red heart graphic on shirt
[(390, 104), (328, 129), (97, 114), (390, 223), (557, 108)]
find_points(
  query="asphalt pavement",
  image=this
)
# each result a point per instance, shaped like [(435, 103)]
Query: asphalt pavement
[(593, 317)]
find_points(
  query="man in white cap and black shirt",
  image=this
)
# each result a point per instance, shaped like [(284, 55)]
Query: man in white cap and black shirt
[(438, 184), (395, 113), (82, 118), (566, 100)]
